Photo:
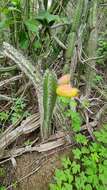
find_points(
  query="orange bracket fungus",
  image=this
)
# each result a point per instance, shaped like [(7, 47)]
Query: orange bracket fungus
[(65, 79), (67, 91), (64, 88)]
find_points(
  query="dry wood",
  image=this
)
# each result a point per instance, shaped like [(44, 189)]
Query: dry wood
[(2, 83), (56, 140), (26, 127), (6, 98)]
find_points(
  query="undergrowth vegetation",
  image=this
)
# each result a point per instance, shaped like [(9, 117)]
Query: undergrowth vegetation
[(16, 112), (87, 168)]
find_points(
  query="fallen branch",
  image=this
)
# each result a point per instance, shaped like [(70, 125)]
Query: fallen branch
[(26, 127), (56, 140), (39, 148)]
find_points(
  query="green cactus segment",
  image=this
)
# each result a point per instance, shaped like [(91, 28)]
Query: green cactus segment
[(77, 15), (92, 45), (49, 99), (71, 43), (74, 29)]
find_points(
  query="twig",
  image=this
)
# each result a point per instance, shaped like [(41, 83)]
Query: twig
[(8, 69), (88, 126), (2, 83), (100, 112), (59, 25), (6, 98), (24, 177), (92, 58), (59, 42)]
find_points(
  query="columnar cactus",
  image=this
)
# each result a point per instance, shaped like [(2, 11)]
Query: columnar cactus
[(49, 99)]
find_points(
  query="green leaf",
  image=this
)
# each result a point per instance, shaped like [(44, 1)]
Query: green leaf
[(69, 176), (101, 136), (4, 116), (88, 187), (5, 23), (103, 152), (60, 176), (105, 163), (93, 179), (2, 25), (75, 167), (94, 147), (73, 104), (24, 44), (45, 18), (97, 79), (23, 40), (37, 44), (101, 187), (54, 187), (2, 188), (101, 168), (89, 162), (95, 156), (103, 178), (64, 100), (32, 26), (66, 162), (14, 9), (80, 181), (85, 150), (77, 153), (67, 186), (90, 171), (81, 139), (76, 120)]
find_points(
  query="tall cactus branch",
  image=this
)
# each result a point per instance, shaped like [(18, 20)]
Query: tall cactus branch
[(49, 99), (92, 44), (72, 37)]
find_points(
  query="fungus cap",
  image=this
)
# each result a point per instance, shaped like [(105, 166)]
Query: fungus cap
[(67, 91), (65, 79)]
